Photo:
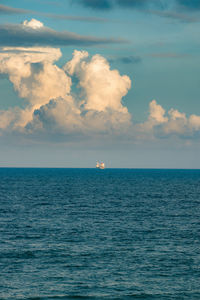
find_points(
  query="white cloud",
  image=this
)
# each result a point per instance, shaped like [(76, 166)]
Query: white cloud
[(103, 87), (175, 114), (157, 113), (164, 124), (177, 122), (60, 115), (194, 122), (98, 108), (6, 117), (95, 108), (34, 24), (46, 88), (34, 75), (72, 66)]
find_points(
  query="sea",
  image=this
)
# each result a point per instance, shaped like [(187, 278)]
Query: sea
[(99, 234)]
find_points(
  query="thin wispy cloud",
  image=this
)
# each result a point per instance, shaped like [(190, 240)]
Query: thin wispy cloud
[(189, 4), (96, 4), (112, 4), (169, 55), (162, 4), (78, 18), (130, 59), (187, 8), (34, 33), (8, 10), (176, 16), (180, 10)]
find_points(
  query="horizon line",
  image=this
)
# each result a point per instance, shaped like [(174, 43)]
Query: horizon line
[(94, 168)]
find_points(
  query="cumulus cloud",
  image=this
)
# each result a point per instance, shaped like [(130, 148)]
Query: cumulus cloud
[(173, 122), (194, 122), (47, 89), (60, 115), (34, 33), (98, 108), (95, 107), (34, 24), (157, 113), (6, 117), (34, 75), (103, 88)]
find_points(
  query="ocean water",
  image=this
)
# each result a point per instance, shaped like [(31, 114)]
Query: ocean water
[(99, 234)]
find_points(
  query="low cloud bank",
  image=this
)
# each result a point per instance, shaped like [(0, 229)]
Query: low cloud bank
[(82, 98), (164, 124)]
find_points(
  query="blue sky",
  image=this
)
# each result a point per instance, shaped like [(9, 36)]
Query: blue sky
[(146, 113)]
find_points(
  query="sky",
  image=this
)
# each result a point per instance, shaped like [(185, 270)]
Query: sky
[(100, 80)]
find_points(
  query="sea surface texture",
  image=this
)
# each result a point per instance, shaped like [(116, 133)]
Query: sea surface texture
[(99, 234)]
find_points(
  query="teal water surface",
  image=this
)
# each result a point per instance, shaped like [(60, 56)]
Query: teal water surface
[(99, 234)]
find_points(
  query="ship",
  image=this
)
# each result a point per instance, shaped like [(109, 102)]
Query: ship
[(100, 165)]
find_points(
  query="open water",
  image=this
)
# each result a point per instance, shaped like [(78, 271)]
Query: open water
[(99, 234)]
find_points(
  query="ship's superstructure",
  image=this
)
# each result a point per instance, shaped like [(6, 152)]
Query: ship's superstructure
[(100, 165)]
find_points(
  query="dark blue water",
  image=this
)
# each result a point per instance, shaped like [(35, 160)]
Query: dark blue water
[(92, 234)]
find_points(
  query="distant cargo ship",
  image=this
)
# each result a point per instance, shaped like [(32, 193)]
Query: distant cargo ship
[(100, 165)]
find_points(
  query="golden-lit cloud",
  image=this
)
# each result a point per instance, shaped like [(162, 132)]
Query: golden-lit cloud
[(46, 88), (94, 107)]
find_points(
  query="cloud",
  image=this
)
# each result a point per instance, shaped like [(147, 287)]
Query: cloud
[(177, 16), (34, 24), (109, 4), (131, 59), (94, 108), (180, 10), (51, 108), (167, 9), (57, 116), (194, 122), (8, 10), (135, 3), (168, 55), (96, 4), (78, 18), (103, 88), (98, 108), (162, 124), (189, 4), (34, 33), (157, 113), (11, 10), (162, 4), (34, 75)]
